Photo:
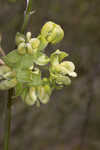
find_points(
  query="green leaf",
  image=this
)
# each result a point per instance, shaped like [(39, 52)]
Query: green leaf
[(26, 61), (28, 77), (12, 59), (17, 61), (36, 80), (23, 76)]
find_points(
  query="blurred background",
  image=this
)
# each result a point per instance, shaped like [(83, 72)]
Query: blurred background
[(71, 120)]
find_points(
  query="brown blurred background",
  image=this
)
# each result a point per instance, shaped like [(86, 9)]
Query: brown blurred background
[(71, 120)]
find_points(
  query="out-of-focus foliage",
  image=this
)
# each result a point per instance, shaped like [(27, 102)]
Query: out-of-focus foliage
[(59, 125)]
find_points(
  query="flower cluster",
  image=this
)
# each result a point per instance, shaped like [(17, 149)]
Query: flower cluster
[(22, 66), (60, 71)]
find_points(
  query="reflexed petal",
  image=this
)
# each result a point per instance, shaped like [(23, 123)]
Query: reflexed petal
[(68, 65), (73, 74), (57, 56)]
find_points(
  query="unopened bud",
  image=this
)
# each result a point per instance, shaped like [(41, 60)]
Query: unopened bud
[(63, 80), (47, 29), (22, 48), (32, 93), (44, 93), (52, 32), (3, 70), (70, 67), (35, 43), (29, 49), (19, 38), (28, 36), (7, 84), (57, 35), (31, 97)]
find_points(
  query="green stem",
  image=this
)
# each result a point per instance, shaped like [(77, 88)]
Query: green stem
[(28, 12), (8, 121), (27, 15)]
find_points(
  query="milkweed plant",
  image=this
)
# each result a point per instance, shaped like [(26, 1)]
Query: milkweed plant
[(21, 68)]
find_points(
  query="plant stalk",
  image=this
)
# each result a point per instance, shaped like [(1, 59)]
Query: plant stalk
[(27, 15), (8, 120)]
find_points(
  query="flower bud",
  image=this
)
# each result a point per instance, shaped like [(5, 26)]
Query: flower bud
[(32, 93), (59, 69), (10, 74), (60, 79), (57, 35), (35, 43), (47, 28), (3, 70), (70, 67), (52, 32), (19, 38), (29, 49), (31, 97), (63, 80), (44, 93), (28, 36), (22, 48), (7, 84)]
